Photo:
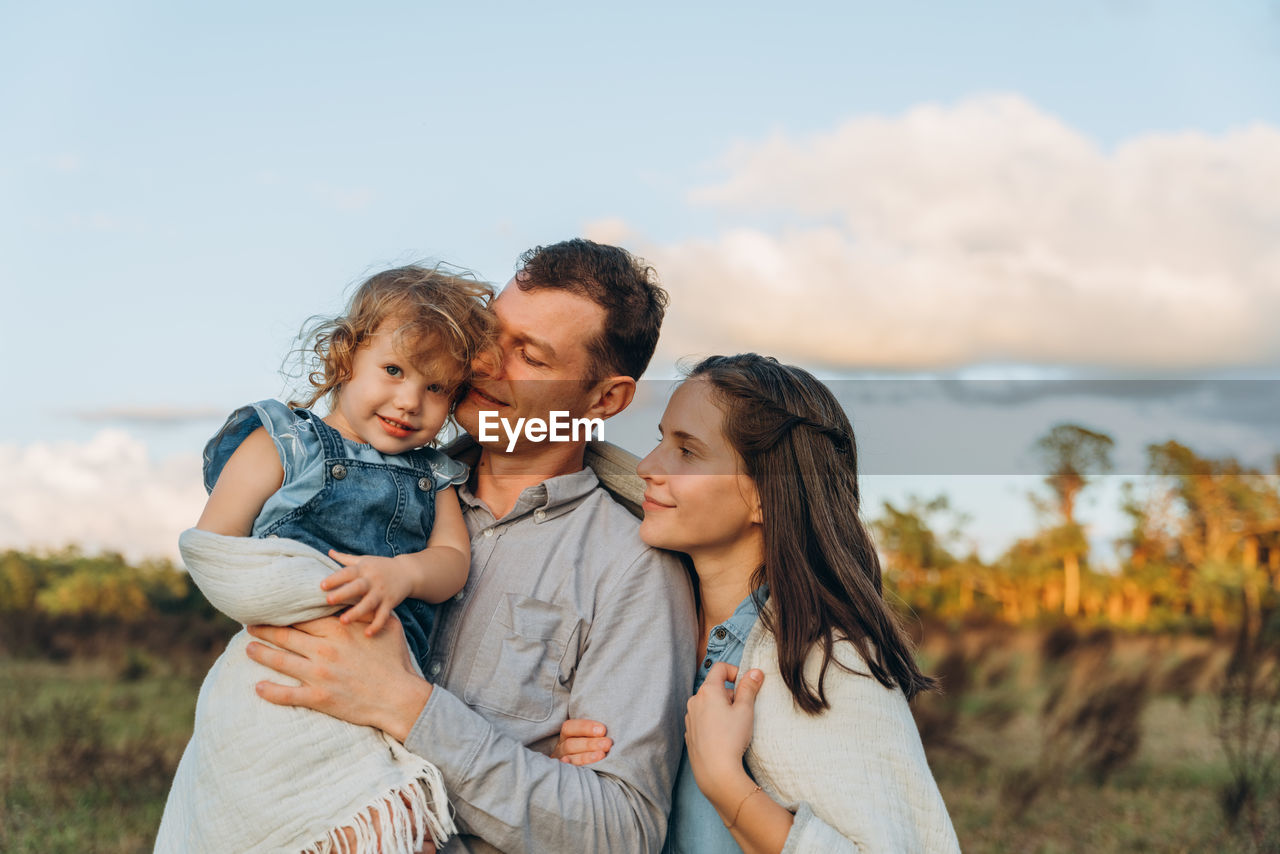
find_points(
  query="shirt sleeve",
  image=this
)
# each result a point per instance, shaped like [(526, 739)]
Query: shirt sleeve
[(634, 675), (445, 470)]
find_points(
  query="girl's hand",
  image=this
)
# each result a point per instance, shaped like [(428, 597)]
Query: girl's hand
[(581, 742), (717, 728), (372, 585)]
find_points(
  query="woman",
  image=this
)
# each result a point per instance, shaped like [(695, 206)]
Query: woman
[(755, 480)]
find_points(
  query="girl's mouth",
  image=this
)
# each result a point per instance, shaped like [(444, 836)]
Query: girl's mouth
[(397, 429)]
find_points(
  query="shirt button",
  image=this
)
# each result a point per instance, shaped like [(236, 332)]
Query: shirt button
[(706, 664), (435, 668), (339, 471), (720, 633), (539, 515), (424, 483), (488, 532), (461, 594)]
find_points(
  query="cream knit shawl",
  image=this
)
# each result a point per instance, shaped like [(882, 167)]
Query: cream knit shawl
[(855, 775), (261, 777)]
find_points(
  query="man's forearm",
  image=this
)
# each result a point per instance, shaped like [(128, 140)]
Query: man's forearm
[(519, 800)]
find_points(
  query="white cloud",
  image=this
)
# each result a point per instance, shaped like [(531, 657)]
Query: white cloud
[(160, 414), (986, 231), (105, 494)]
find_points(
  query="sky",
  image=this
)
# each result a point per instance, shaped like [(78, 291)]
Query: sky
[(977, 202)]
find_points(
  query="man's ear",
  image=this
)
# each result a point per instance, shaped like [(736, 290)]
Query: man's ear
[(611, 396)]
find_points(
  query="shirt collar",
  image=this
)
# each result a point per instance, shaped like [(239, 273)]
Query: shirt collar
[(554, 495), (744, 616)]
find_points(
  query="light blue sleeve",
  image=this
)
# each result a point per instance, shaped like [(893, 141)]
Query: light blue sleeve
[(445, 470), (281, 423)]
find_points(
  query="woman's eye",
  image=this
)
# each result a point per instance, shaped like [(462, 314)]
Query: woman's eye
[(393, 370)]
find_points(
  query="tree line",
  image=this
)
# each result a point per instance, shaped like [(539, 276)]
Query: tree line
[(1202, 549)]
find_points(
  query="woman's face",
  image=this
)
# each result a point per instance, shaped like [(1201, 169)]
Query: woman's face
[(697, 499)]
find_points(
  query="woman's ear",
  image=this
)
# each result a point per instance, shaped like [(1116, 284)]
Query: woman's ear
[(751, 495)]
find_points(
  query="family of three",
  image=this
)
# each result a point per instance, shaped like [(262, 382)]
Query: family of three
[(722, 674)]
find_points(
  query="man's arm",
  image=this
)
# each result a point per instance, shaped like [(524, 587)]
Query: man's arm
[(635, 673)]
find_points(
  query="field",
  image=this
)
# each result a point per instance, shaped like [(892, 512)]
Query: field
[(1045, 741)]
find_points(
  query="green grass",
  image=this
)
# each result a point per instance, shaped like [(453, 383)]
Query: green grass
[(87, 757), (89, 748)]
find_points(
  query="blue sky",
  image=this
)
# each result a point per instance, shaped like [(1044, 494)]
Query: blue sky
[(184, 185)]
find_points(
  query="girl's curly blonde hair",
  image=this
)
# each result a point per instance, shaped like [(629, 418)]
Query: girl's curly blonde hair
[(442, 321)]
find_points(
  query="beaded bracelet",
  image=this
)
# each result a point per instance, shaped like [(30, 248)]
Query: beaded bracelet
[(741, 803)]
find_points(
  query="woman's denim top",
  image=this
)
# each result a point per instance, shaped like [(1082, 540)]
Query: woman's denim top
[(343, 495)]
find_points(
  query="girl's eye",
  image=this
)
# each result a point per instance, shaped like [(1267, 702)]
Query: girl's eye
[(435, 388), (393, 370)]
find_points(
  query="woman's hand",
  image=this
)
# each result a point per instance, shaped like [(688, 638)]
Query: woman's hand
[(372, 585), (582, 742), (345, 674), (717, 730)]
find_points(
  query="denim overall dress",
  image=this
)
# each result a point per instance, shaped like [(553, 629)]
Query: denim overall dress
[(342, 494)]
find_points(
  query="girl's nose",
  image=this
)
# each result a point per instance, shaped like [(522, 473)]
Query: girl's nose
[(410, 399)]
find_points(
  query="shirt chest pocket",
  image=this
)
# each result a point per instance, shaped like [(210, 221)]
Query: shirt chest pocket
[(520, 658)]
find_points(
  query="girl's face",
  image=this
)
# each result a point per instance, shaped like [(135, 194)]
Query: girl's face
[(697, 500), (387, 402)]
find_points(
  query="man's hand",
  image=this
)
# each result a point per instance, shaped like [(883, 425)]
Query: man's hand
[(581, 742), (344, 673), (372, 585)]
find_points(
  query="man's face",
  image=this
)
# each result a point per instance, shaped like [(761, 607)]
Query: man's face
[(542, 341)]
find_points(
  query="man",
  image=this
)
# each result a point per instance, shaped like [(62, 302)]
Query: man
[(565, 614)]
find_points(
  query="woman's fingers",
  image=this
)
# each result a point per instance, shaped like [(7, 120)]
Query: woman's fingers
[(582, 758), (570, 748), (581, 728), (726, 672)]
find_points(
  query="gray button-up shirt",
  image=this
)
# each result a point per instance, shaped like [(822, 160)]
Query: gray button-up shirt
[(566, 614)]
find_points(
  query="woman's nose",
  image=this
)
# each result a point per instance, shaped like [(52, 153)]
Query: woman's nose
[(647, 467)]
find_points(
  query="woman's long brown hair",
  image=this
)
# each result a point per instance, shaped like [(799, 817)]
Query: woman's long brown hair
[(820, 565)]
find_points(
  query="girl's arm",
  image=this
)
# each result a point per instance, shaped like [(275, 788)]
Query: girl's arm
[(250, 476), (375, 585)]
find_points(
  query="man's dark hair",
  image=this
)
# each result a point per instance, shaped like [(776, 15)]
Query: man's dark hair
[(614, 279)]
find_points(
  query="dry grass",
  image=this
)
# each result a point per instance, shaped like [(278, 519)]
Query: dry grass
[(1043, 742)]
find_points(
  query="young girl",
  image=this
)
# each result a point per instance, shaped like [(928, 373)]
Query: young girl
[(358, 485)]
